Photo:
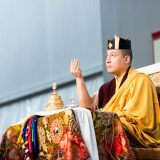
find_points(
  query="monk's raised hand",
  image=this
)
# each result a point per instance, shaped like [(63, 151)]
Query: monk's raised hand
[(75, 68)]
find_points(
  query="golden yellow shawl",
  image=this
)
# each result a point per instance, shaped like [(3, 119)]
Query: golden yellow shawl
[(136, 104)]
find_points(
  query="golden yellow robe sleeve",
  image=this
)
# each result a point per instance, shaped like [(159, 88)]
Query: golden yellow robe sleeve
[(137, 105)]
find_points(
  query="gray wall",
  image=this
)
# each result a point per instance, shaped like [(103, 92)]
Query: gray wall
[(38, 38), (133, 19)]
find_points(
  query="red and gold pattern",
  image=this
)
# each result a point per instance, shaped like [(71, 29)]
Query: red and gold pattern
[(59, 138), (111, 139), (9, 149)]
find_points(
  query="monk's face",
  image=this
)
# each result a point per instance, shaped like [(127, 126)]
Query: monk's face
[(116, 62)]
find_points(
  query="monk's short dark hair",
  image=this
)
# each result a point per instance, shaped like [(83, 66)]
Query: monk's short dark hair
[(127, 52)]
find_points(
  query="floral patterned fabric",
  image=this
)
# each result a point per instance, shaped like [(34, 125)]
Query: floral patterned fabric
[(111, 139), (9, 149), (59, 137)]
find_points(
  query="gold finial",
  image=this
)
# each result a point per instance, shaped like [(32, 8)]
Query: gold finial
[(54, 86), (54, 101)]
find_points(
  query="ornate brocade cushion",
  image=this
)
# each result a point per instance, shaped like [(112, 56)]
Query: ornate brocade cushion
[(155, 77), (147, 153)]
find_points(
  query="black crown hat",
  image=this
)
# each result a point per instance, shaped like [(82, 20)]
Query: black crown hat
[(119, 43)]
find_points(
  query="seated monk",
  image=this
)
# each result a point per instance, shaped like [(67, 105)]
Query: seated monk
[(130, 94)]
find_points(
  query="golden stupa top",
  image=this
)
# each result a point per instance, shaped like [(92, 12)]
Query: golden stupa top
[(55, 100)]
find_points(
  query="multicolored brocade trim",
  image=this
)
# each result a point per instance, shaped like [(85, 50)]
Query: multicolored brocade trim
[(29, 136)]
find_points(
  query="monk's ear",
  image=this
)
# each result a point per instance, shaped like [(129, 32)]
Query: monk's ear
[(127, 59)]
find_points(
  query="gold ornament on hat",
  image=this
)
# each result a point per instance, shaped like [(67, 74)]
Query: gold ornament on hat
[(110, 45), (55, 101)]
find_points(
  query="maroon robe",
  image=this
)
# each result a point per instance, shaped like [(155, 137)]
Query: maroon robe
[(107, 90)]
